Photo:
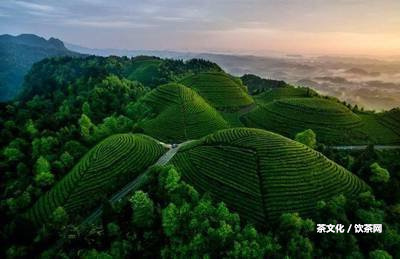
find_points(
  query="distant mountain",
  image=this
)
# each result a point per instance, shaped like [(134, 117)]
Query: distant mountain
[(17, 55), (129, 53)]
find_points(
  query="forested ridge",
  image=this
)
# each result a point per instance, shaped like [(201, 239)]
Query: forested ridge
[(83, 127)]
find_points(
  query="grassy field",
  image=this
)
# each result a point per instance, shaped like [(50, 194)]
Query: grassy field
[(333, 122), (178, 114), (261, 174), (103, 170), (222, 91)]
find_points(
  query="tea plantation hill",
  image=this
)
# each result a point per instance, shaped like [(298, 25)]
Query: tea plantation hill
[(175, 113), (333, 122), (391, 120), (261, 174), (382, 128), (222, 91), (104, 169), (287, 91)]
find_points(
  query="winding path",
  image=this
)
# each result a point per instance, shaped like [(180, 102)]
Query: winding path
[(138, 181)]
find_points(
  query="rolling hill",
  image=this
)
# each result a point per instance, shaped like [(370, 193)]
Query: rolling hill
[(382, 128), (145, 70), (19, 53), (104, 169), (177, 113), (333, 122), (261, 174), (222, 91), (284, 92), (391, 120)]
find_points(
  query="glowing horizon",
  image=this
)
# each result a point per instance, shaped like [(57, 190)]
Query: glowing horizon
[(340, 27)]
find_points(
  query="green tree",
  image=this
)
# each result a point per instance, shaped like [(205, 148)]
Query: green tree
[(30, 128), (379, 254), (378, 174), (86, 109), (170, 219), (43, 146), (86, 126), (143, 209), (307, 137), (42, 165), (293, 232), (67, 159), (43, 177), (59, 217), (12, 154)]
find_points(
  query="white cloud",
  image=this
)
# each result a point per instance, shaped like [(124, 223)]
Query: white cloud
[(34, 6), (96, 23)]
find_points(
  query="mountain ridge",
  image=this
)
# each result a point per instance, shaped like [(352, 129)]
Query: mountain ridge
[(19, 53)]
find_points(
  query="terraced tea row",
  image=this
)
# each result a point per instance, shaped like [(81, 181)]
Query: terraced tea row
[(221, 90), (378, 131), (103, 170), (391, 120), (178, 114), (261, 174), (333, 122)]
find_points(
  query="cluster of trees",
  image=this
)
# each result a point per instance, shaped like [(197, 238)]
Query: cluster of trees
[(169, 218), (256, 84), (307, 137)]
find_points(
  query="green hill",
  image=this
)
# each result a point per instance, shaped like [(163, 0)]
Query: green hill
[(257, 85), (221, 90), (262, 174), (145, 70), (391, 120), (104, 169), (333, 122), (284, 92), (381, 128), (177, 113)]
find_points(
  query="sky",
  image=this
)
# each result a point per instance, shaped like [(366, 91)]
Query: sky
[(330, 27)]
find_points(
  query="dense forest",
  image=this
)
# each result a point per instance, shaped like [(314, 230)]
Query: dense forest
[(83, 127)]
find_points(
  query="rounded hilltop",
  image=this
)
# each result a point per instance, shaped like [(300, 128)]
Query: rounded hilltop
[(104, 169), (332, 121), (261, 174), (222, 91), (176, 113)]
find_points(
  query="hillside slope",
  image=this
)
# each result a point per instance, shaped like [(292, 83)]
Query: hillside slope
[(221, 90), (261, 174), (177, 113), (333, 122), (284, 92), (103, 170), (17, 55)]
